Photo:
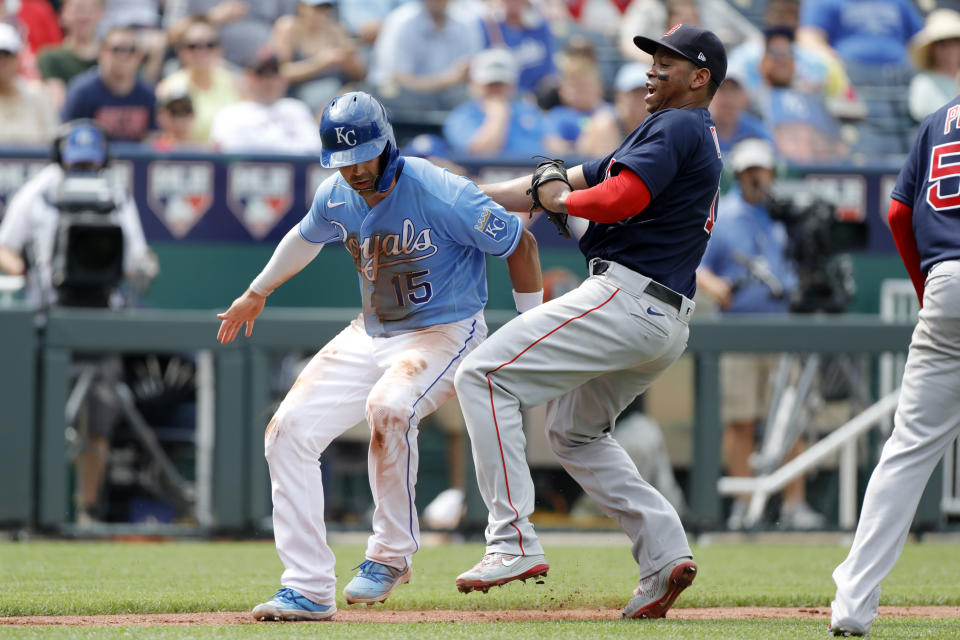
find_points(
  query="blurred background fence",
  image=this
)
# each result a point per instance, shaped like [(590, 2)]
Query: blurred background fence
[(229, 488)]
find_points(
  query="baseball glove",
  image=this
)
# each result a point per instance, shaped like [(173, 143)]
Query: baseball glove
[(546, 171)]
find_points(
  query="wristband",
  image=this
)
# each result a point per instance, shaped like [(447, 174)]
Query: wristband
[(527, 300), (259, 287)]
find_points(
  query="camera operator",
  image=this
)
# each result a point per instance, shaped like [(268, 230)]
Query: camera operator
[(76, 235), (747, 269)]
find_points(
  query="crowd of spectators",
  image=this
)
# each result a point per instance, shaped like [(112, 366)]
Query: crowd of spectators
[(824, 80)]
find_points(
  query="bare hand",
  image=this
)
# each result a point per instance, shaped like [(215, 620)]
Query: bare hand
[(724, 296), (459, 72), (244, 309), (228, 11), (496, 107), (719, 289), (368, 32)]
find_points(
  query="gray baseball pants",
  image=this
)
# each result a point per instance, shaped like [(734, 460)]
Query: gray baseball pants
[(586, 354), (926, 421)]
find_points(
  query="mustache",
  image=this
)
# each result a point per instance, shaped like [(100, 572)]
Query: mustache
[(372, 179)]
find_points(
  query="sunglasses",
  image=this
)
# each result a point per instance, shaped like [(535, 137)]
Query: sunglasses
[(780, 54), (209, 44), (120, 49), (180, 112)]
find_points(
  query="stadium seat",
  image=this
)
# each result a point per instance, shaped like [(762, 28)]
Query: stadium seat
[(885, 91)]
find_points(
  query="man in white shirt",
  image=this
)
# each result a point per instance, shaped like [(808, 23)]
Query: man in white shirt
[(26, 117), (44, 212), (266, 122), (421, 57), (32, 218)]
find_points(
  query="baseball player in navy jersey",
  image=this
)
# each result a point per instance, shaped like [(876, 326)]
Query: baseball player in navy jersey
[(925, 221), (589, 353), (418, 235)]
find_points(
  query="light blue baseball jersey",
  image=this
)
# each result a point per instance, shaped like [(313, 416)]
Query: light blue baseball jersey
[(419, 252)]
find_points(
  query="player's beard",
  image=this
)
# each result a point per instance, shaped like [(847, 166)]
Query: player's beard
[(372, 181), (369, 182)]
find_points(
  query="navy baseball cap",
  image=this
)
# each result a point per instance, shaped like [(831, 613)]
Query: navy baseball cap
[(700, 46)]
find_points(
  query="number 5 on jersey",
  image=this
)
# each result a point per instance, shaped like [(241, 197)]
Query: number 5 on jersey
[(944, 163), (412, 286)]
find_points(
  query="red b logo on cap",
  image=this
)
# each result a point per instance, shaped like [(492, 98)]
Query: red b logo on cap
[(672, 29)]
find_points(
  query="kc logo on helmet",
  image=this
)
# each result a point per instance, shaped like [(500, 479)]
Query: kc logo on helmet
[(259, 194), (180, 193), (349, 137)]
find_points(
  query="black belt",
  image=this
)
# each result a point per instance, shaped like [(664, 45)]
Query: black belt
[(654, 288)]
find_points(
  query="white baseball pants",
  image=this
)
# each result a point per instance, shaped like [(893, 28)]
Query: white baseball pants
[(393, 382), (589, 353), (926, 421)]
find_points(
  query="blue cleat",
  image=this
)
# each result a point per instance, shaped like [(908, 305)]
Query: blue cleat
[(288, 604), (375, 582)]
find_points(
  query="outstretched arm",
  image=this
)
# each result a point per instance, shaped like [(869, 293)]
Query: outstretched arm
[(617, 198), (524, 268), (512, 194), (291, 255)]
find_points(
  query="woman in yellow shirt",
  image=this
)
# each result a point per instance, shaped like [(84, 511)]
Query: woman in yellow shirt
[(207, 77)]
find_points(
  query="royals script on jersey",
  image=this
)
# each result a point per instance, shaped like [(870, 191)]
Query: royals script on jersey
[(419, 252), (930, 183)]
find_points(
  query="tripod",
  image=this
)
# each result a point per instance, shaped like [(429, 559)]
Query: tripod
[(798, 385), (119, 395), (795, 401)]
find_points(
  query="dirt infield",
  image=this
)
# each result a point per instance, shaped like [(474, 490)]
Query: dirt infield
[(378, 615)]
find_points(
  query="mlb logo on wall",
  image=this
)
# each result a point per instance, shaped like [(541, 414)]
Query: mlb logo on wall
[(180, 193), (259, 194)]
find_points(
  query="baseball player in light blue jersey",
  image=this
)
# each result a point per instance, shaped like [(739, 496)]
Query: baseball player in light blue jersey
[(418, 235)]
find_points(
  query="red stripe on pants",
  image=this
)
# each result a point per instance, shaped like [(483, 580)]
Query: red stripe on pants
[(493, 409)]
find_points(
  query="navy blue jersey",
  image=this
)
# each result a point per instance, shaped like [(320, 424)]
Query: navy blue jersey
[(930, 183), (676, 153)]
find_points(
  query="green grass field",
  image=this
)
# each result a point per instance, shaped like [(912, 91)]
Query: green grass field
[(86, 578)]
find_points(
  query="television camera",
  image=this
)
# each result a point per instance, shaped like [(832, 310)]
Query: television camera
[(818, 243), (87, 263)]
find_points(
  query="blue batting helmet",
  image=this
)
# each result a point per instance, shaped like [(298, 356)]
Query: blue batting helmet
[(354, 128)]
